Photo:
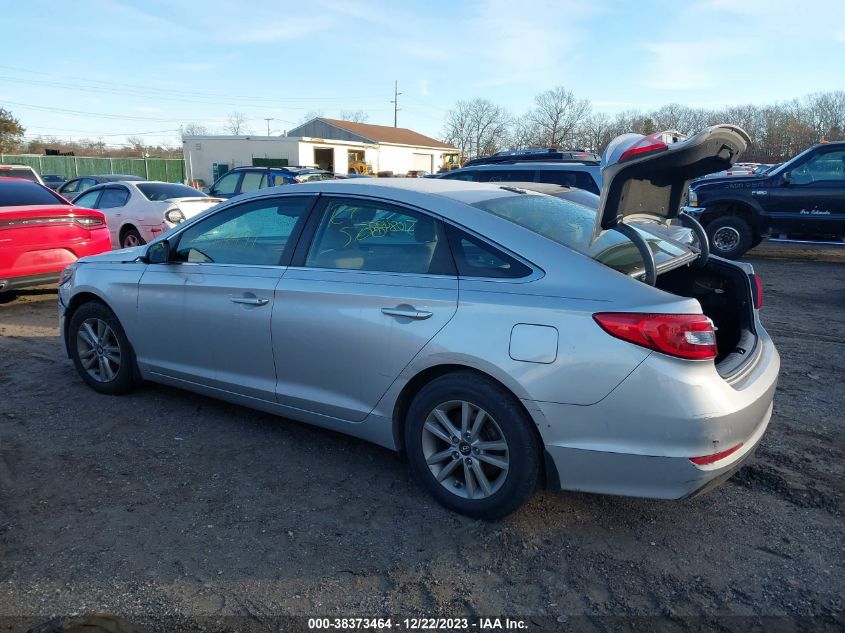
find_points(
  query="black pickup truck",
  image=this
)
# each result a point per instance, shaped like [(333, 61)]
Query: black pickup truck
[(804, 196)]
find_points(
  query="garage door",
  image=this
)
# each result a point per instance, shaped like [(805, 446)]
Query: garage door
[(421, 162)]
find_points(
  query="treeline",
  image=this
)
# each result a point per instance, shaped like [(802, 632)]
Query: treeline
[(559, 119), (134, 147)]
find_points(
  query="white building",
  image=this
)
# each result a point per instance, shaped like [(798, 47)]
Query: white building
[(330, 144)]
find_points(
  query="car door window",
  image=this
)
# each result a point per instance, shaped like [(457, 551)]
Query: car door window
[(827, 167), (251, 181), (476, 258), (70, 187), (227, 184), (461, 175), (113, 197), (88, 200), (86, 183), (373, 236), (506, 175), (569, 178), (257, 233), (276, 180)]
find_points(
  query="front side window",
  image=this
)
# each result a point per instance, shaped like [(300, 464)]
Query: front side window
[(277, 180), (256, 234), (827, 167), (113, 197), (70, 187), (363, 235), (227, 184)]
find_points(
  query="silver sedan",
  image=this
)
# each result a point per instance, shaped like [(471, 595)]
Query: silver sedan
[(500, 338)]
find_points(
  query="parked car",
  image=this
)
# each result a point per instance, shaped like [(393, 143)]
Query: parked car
[(73, 188), (41, 233), (20, 171), (804, 196), (543, 154), (337, 304), (141, 210), (584, 175), (245, 179), (54, 181)]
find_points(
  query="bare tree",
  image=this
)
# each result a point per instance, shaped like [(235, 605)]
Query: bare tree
[(193, 129), (235, 122), (356, 116), (136, 144), (556, 115), (312, 114), (478, 127)]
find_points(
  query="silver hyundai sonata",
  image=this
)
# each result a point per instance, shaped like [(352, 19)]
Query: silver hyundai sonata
[(499, 337)]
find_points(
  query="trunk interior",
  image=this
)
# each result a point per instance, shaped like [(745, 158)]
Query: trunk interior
[(724, 292)]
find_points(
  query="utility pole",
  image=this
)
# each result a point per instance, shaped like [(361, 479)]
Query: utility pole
[(395, 102), (268, 119)]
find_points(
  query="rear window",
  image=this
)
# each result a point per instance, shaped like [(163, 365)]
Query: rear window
[(26, 173), (20, 193), (572, 223), (157, 191)]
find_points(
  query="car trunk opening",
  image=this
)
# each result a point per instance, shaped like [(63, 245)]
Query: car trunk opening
[(725, 294)]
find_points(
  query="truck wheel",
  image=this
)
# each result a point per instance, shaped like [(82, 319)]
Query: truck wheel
[(755, 241), (729, 236)]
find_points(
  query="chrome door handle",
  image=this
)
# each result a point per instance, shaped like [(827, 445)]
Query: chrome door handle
[(250, 301), (408, 313)]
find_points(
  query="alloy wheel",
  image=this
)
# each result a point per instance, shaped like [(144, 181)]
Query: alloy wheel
[(465, 449), (98, 349)]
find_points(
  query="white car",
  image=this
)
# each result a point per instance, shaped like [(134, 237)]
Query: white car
[(139, 211), (20, 171)]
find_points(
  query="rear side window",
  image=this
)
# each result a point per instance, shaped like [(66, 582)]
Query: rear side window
[(18, 192), (566, 178), (475, 258), (461, 175), (114, 197), (507, 175), (252, 181)]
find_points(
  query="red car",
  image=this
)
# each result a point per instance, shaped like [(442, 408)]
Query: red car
[(41, 233)]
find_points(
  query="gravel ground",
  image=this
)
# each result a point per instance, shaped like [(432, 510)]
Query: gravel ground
[(177, 511)]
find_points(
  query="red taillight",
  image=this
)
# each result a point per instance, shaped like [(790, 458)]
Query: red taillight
[(651, 143), (758, 292), (704, 460), (690, 336)]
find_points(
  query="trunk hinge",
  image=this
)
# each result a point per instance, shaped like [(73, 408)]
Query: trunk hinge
[(703, 243), (650, 275)]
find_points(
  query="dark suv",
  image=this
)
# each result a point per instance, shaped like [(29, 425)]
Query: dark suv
[(803, 197), (244, 179), (581, 174)]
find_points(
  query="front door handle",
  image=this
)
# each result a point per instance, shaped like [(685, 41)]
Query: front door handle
[(408, 313), (250, 301)]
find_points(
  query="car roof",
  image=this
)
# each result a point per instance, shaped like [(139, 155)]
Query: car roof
[(534, 164)]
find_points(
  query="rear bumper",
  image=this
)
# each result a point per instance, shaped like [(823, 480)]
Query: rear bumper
[(27, 281), (638, 441)]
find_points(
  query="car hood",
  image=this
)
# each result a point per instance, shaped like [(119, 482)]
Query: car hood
[(653, 185), (117, 257), (722, 181)]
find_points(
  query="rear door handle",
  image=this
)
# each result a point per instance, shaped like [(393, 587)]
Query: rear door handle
[(408, 313), (250, 301)]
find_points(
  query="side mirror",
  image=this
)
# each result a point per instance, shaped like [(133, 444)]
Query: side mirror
[(787, 178), (158, 252)]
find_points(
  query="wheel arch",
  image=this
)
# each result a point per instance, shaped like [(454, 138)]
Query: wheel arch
[(548, 472), (748, 210), (124, 229)]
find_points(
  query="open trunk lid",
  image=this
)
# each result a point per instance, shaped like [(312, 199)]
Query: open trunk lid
[(647, 176)]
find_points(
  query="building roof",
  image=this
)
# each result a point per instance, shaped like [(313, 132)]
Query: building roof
[(371, 133)]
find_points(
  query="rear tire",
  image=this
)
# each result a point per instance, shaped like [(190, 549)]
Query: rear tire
[(131, 238), (730, 236), (483, 459), (100, 350), (755, 242)]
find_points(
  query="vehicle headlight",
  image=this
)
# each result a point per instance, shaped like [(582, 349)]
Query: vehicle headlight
[(67, 274), (692, 197), (174, 216)]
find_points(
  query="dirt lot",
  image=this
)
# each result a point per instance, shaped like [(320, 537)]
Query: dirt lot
[(177, 510)]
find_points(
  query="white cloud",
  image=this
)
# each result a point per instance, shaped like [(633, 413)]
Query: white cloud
[(687, 65)]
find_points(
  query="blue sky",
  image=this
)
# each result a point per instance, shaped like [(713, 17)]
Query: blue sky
[(111, 68)]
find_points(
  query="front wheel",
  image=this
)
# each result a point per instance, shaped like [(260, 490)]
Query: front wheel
[(131, 238), (730, 236), (100, 350), (472, 446)]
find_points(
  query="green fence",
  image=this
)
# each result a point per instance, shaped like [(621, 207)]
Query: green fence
[(166, 169)]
